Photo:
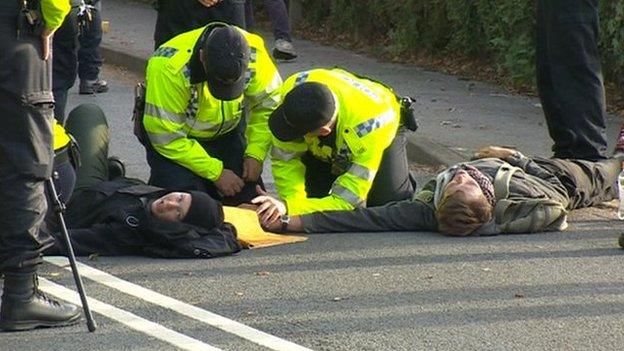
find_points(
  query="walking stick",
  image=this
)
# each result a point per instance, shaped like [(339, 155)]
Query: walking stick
[(59, 208)]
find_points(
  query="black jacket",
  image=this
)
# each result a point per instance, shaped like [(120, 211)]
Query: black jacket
[(112, 218)]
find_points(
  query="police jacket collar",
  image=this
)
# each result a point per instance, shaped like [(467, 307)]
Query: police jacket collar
[(197, 70)]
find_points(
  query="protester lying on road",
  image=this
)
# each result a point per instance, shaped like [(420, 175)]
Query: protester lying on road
[(501, 191), (124, 216)]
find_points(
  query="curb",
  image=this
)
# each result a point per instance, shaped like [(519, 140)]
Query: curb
[(420, 149)]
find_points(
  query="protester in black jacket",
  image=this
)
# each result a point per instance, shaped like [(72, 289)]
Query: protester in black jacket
[(124, 216)]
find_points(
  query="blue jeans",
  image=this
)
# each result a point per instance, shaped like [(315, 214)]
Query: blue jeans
[(278, 15)]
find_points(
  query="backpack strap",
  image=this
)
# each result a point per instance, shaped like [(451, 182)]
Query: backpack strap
[(502, 179)]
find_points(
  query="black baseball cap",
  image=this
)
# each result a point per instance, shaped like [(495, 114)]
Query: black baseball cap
[(307, 107), (225, 60)]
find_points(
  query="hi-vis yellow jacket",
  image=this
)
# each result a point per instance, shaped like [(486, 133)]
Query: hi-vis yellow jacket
[(61, 138), (178, 111), (367, 121), (54, 12)]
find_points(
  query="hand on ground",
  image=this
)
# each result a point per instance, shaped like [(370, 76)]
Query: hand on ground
[(493, 151)]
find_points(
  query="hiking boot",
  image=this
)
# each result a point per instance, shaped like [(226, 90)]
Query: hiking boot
[(116, 168), (284, 50), (93, 86), (24, 307)]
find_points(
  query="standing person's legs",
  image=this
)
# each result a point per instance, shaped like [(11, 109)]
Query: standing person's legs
[(64, 63), (569, 77), (89, 58), (283, 49), (25, 163), (176, 17), (588, 183), (393, 181), (249, 15), (278, 14), (87, 124)]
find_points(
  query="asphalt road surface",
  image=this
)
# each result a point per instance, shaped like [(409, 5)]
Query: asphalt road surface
[(359, 291)]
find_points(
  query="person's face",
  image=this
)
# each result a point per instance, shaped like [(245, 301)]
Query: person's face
[(465, 186), (172, 207)]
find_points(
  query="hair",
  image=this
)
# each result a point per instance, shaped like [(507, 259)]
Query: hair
[(459, 215)]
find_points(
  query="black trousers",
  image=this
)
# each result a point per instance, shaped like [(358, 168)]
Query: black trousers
[(65, 62), (393, 181), (179, 16), (89, 57), (228, 148), (569, 77), (25, 142)]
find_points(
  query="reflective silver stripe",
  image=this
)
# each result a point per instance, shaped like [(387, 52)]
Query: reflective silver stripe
[(213, 127), (375, 123), (253, 55), (165, 138), (250, 73), (362, 172), (161, 113), (360, 86), (301, 77), (347, 195), (284, 155)]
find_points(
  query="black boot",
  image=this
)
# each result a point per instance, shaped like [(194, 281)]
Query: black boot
[(24, 307)]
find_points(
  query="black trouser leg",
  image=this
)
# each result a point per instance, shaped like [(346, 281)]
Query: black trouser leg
[(89, 58), (588, 183), (65, 63), (87, 124), (569, 77), (228, 148), (25, 143), (393, 181)]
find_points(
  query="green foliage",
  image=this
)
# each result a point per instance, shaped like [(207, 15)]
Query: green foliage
[(502, 31)]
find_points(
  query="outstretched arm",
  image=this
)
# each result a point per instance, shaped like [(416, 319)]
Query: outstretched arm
[(407, 215)]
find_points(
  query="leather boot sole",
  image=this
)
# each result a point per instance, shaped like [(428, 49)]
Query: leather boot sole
[(10, 325)]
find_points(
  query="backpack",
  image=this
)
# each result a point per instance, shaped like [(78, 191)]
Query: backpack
[(524, 215)]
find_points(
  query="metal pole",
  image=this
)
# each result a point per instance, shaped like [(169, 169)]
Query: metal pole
[(59, 208)]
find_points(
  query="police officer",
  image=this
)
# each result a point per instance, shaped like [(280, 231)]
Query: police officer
[(569, 77), (338, 144), (197, 134), (26, 161), (179, 16)]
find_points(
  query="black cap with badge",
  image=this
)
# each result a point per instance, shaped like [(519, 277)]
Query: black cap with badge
[(225, 60), (305, 108)]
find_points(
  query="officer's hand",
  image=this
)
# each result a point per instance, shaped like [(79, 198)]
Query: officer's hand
[(209, 3), (229, 184), (252, 169), (46, 43), (269, 208), (495, 152)]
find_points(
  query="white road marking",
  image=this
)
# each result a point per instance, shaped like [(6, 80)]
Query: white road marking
[(129, 319), (257, 336)]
